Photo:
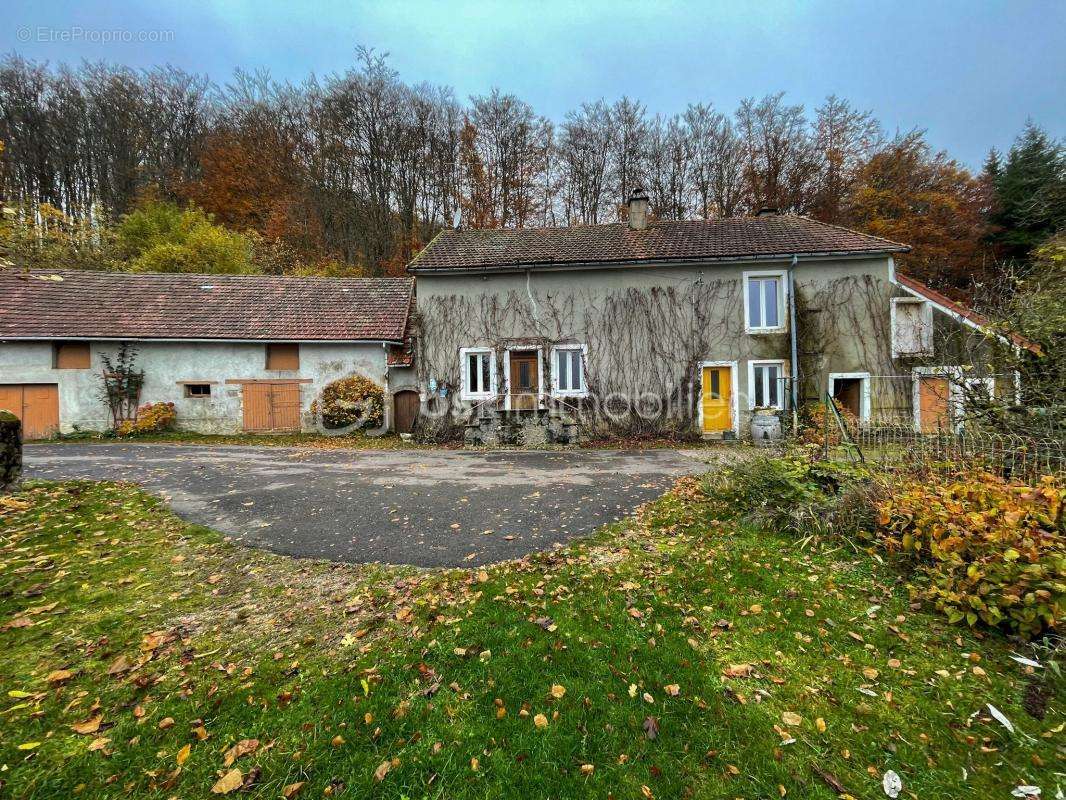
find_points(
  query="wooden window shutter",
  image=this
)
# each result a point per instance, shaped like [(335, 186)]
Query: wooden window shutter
[(283, 356), (71, 355)]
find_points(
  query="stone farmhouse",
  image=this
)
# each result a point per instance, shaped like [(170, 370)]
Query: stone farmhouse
[(521, 336)]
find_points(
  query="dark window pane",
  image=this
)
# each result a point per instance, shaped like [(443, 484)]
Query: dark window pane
[(577, 377), (716, 385), (485, 386), (773, 373), (758, 388), (472, 373), (560, 368)]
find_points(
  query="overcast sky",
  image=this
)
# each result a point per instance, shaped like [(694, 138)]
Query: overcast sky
[(971, 73)]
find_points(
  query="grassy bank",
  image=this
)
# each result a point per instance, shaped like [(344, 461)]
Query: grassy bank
[(669, 656)]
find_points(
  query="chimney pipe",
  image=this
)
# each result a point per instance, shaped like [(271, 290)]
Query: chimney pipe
[(767, 211), (638, 210)]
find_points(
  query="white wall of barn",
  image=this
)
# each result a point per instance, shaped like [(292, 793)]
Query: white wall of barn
[(167, 364)]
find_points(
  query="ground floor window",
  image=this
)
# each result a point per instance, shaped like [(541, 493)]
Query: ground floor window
[(568, 370), (478, 367), (766, 384)]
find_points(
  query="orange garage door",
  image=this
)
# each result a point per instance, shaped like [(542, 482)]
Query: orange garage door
[(272, 406), (36, 404)]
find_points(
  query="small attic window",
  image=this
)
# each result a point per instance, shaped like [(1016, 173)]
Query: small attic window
[(198, 390)]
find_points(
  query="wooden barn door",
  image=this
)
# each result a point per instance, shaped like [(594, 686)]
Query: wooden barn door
[(36, 404), (405, 404), (272, 406)]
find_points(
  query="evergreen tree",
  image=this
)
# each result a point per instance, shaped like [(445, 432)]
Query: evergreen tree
[(1030, 194)]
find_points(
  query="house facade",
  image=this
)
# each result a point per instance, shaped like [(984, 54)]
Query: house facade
[(233, 353), (680, 327)]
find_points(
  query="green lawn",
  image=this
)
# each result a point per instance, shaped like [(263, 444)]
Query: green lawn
[(670, 656)]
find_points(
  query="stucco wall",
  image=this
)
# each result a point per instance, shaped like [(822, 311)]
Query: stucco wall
[(648, 328), (167, 363)]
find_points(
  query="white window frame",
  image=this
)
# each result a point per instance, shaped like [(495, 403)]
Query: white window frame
[(782, 300), (926, 331), (555, 390), (507, 373), (864, 390), (464, 375), (954, 376), (782, 389), (734, 401)]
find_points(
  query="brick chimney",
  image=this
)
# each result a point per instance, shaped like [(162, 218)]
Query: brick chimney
[(638, 210)]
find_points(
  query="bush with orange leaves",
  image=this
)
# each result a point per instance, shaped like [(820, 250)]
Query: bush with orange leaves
[(151, 418), (993, 551)]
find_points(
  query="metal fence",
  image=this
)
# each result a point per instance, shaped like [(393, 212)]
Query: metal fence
[(900, 447)]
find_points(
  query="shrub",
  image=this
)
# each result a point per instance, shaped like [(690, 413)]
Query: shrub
[(993, 551), (795, 493), (813, 424), (354, 400), (151, 418)]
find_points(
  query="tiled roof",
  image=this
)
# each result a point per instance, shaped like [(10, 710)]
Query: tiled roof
[(83, 304), (978, 319), (716, 239)]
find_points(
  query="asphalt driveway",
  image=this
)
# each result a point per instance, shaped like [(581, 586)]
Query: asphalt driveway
[(429, 508)]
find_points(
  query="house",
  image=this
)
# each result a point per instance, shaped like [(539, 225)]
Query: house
[(681, 326), (232, 352)]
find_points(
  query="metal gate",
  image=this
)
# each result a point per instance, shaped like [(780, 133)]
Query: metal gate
[(272, 406)]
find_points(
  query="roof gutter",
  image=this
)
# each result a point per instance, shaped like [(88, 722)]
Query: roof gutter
[(648, 262), (278, 340)]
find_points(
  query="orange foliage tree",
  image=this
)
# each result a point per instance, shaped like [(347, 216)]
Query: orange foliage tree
[(906, 193)]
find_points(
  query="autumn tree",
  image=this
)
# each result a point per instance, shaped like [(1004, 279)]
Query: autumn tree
[(909, 194)]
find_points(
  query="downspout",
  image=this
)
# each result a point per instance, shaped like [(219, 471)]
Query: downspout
[(793, 342)]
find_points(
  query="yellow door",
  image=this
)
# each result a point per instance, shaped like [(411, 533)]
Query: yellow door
[(717, 399)]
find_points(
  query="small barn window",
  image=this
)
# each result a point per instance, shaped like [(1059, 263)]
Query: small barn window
[(198, 390), (283, 356), (912, 327), (70, 355)]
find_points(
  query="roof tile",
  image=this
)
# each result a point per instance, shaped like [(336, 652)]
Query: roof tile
[(84, 304)]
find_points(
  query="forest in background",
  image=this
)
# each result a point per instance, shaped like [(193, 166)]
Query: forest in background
[(104, 167)]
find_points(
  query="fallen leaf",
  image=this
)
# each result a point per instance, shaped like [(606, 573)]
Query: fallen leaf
[(29, 745), (59, 675), (739, 671), (587, 769), (91, 725), (558, 691), (242, 748), (118, 666), (382, 770), (870, 673), (293, 789), (183, 754), (672, 689), (166, 722), (540, 721), (98, 744), (791, 718), (651, 727), (1000, 718), (229, 782)]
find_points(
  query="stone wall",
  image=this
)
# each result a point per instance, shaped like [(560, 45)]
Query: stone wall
[(10, 450)]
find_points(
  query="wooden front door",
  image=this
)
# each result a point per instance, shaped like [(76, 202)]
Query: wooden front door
[(525, 383), (271, 406), (405, 405), (934, 407), (36, 404), (717, 399)]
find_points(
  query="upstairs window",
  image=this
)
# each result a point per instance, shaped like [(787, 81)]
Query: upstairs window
[(568, 370), (479, 372), (912, 327), (283, 356), (70, 355), (764, 301)]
